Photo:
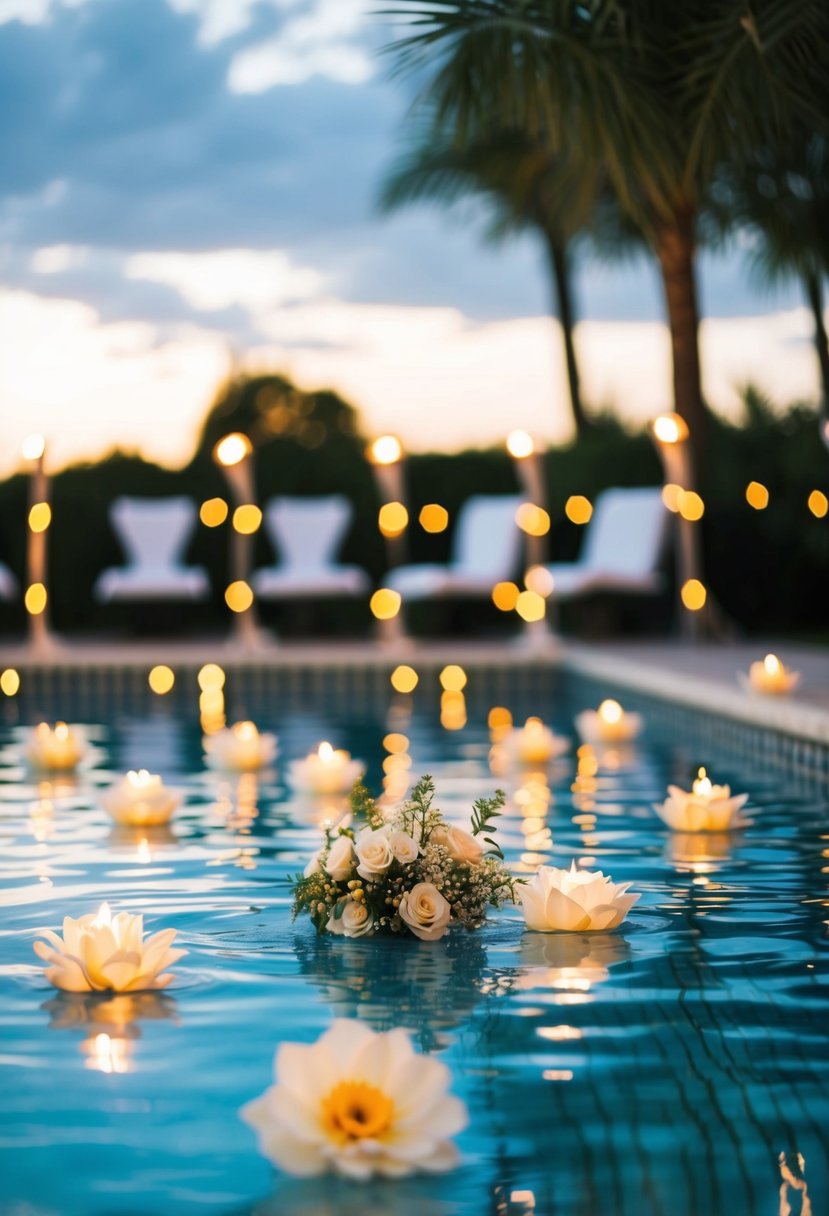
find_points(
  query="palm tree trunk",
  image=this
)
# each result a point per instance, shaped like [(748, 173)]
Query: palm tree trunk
[(815, 293), (563, 290), (675, 250)]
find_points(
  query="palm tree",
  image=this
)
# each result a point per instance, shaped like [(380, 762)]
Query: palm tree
[(781, 197), (657, 94), (526, 188)]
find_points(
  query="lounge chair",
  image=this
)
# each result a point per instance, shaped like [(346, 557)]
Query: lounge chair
[(622, 550), (307, 532), (8, 583), (154, 533), (486, 549)]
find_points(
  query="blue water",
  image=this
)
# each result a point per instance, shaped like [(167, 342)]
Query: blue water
[(661, 1070)]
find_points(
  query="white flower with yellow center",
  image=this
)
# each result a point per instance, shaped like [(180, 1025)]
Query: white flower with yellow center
[(357, 1103), (579, 901), (101, 951)]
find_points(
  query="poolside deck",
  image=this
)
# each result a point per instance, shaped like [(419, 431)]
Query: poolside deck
[(698, 676)]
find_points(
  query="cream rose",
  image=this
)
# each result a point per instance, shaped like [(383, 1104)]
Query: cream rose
[(404, 847), (460, 845), (425, 911), (355, 920), (374, 855), (340, 860), (313, 866)]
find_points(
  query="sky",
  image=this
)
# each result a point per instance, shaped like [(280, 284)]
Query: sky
[(191, 185)]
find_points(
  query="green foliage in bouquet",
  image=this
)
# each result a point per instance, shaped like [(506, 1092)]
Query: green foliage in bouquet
[(412, 873)]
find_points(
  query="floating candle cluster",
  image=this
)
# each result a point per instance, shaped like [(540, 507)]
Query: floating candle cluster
[(240, 748), (141, 799), (608, 724), (704, 808), (772, 677), (58, 748), (328, 770), (534, 743)]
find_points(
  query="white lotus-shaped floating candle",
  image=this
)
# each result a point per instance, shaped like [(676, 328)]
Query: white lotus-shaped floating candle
[(140, 800), (358, 1103), (101, 951), (574, 901), (533, 743), (608, 724), (240, 748), (326, 771), (58, 747), (705, 808), (772, 677)]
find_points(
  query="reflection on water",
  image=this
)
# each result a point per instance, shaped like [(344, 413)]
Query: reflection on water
[(654, 1072)]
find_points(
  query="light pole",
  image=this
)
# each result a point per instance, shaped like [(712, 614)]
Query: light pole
[(530, 471), (233, 455), (38, 521)]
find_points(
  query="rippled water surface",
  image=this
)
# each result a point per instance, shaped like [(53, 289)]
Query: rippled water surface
[(661, 1070)]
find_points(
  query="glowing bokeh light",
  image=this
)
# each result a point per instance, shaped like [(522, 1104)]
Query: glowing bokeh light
[(161, 679), (35, 599), (532, 519), (690, 505), (670, 496), (404, 678), (578, 509), (232, 449), (757, 495), (531, 606), (520, 444), (213, 512), (670, 428), (33, 447), (434, 518), (393, 518), (540, 580), (247, 519), (505, 596), (385, 604), (239, 596), (40, 516), (818, 504), (211, 676), (10, 682), (693, 595), (453, 678), (386, 449)]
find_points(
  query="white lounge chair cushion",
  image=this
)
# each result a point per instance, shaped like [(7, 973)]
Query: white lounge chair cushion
[(622, 548), (485, 550), (8, 583), (154, 533), (307, 533)]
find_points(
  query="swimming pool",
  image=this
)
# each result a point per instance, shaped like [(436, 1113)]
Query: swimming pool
[(676, 1067)]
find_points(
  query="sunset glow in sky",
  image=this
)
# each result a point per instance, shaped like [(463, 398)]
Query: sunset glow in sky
[(189, 183)]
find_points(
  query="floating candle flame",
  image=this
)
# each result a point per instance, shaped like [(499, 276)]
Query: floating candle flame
[(100, 951), (140, 799), (56, 748), (771, 677), (328, 770), (608, 724), (240, 748), (705, 808)]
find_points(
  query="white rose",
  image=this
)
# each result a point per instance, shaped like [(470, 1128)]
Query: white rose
[(374, 854), (460, 845), (404, 847), (355, 920), (340, 860), (313, 866), (425, 911)]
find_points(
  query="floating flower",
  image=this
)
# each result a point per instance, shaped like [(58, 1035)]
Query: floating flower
[(771, 677), (357, 1103), (574, 900), (59, 748), (328, 770), (239, 748), (608, 724), (425, 911), (533, 743), (99, 952), (705, 808), (140, 800)]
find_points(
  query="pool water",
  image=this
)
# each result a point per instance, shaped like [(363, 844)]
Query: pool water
[(676, 1067)]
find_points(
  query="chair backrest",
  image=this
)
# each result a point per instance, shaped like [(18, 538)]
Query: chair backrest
[(153, 531), (627, 532), (307, 532), (487, 540)]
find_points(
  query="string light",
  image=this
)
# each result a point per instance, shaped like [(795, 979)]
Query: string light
[(161, 679), (578, 509), (434, 518), (213, 512), (757, 495)]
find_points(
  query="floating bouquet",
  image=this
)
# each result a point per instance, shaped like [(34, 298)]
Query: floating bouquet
[(410, 873)]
